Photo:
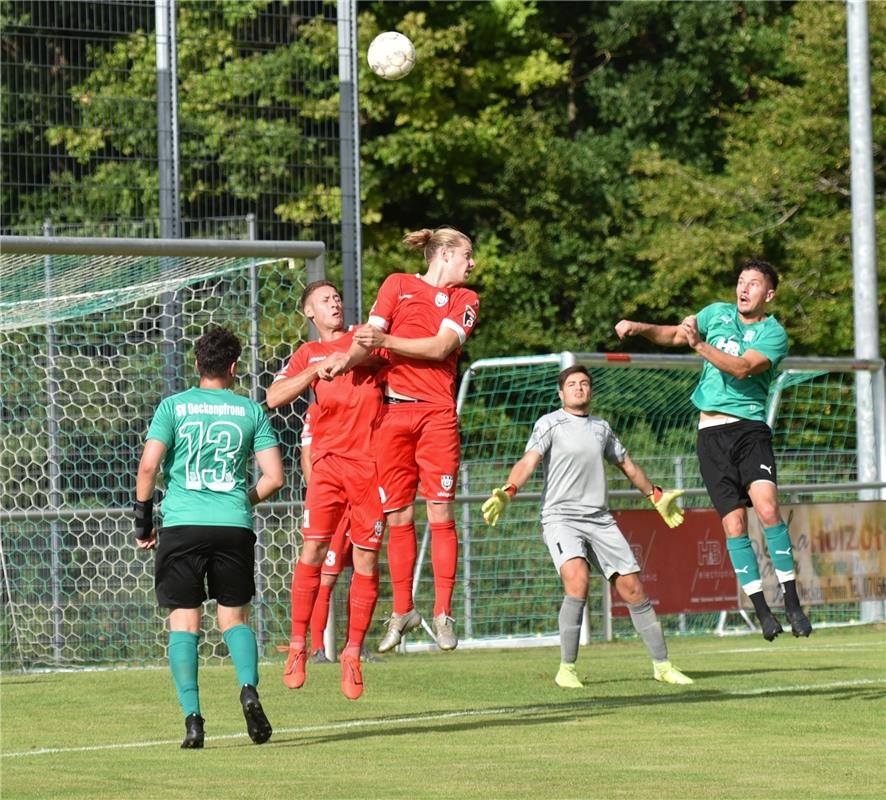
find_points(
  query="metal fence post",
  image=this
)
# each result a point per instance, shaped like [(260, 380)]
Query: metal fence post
[(53, 465), (466, 554)]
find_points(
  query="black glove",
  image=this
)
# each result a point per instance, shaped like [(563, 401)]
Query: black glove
[(144, 518)]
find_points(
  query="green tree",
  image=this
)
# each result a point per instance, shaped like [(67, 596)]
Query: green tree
[(783, 193)]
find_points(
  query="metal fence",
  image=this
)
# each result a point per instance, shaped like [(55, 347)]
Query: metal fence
[(255, 128)]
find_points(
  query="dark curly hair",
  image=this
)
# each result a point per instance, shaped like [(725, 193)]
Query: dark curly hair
[(216, 350), (763, 267)]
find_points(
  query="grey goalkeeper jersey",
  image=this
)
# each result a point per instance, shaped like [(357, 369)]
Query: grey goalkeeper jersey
[(572, 450)]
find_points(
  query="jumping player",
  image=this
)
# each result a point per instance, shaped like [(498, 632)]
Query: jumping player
[(741, 345), (421, 321), (343, 474)]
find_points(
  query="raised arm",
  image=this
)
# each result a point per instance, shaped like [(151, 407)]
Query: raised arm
[(284, 390), (430, 348), (751, 362), (665, 335)]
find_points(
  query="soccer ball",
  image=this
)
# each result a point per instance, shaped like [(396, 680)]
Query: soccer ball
[(391, 55)]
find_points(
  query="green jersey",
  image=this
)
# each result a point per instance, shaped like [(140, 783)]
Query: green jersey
[(717, 391), (210, 437)]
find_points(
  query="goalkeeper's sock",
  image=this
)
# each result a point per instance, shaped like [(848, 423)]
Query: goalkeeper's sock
[(778, 541), (361, 603), (571, 611), (744, 563), (182, 655), (402, 553), (305, 584), (647, 625), (320, 615), (243, 648), (444, 559)]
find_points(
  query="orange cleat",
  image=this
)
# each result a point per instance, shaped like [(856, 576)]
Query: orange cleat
[(294, 675), (351, 677)]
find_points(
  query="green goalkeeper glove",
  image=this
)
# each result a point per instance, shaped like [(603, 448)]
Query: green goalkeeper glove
[(498, 501), (666, 504)]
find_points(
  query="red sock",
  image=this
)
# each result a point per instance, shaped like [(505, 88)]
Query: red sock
[(402, 552), (305, 583), (320, 615), (444, 558), (361, 604)]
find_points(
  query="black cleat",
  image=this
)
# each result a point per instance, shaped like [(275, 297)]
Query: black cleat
[(771, 627), (193, 732), (257, 724), (800, 625)]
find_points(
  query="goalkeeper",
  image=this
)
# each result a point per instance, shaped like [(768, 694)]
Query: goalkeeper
[(576, 523)]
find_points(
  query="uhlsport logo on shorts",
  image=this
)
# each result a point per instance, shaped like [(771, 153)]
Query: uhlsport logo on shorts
[(446, 482)]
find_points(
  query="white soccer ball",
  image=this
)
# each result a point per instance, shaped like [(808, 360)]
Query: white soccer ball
[(391, 55)]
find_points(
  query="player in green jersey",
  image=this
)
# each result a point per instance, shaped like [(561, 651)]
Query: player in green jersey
[(741, 345), (204, 438)]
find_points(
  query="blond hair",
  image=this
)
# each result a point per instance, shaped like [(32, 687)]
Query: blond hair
[(430, 241)]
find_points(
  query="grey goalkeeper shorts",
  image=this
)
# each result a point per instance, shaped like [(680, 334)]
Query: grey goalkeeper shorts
[(600, 542)]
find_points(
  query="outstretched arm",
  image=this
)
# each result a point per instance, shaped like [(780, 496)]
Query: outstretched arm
[(665, 335)]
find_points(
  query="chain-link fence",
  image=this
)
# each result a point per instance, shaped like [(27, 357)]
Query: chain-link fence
[(257, 118)]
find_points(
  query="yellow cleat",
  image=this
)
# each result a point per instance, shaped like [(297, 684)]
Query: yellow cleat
[(666, 672), (567, 677)]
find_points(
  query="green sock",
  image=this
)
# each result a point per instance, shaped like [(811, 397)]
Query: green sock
[(182, 654), (778, 541), (744, 562), (244, 652)]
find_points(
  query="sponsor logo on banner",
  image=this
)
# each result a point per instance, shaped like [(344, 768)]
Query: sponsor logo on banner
[(441, 299), (446, 482), (710, 553), (469, 318)]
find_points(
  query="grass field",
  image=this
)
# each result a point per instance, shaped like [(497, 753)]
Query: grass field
[(791, 719)]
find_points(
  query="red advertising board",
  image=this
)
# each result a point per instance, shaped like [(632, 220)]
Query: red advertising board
[(685, 569)]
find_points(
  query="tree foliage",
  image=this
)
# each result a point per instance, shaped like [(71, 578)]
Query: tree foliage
[(608, 159)]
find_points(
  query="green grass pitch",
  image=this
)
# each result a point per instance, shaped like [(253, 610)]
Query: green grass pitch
[(791, 719)]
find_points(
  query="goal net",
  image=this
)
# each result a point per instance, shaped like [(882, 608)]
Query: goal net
[(90, 345)]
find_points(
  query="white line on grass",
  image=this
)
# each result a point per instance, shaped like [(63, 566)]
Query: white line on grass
[(480, 712)]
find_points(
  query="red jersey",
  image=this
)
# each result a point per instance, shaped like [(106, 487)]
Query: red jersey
[(407, 306), (348, 404)]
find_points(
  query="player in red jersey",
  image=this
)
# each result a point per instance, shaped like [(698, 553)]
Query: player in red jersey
[(338, 556), (343, 474), (421, 320)]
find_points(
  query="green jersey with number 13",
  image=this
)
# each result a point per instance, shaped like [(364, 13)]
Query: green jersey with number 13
[(210, 437)]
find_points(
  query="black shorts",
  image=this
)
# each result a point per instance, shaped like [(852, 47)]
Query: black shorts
[(731, 457), (192, 557)]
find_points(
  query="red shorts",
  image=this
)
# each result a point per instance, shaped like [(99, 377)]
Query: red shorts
[(335, 484), (417, 442), (338, 556)]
